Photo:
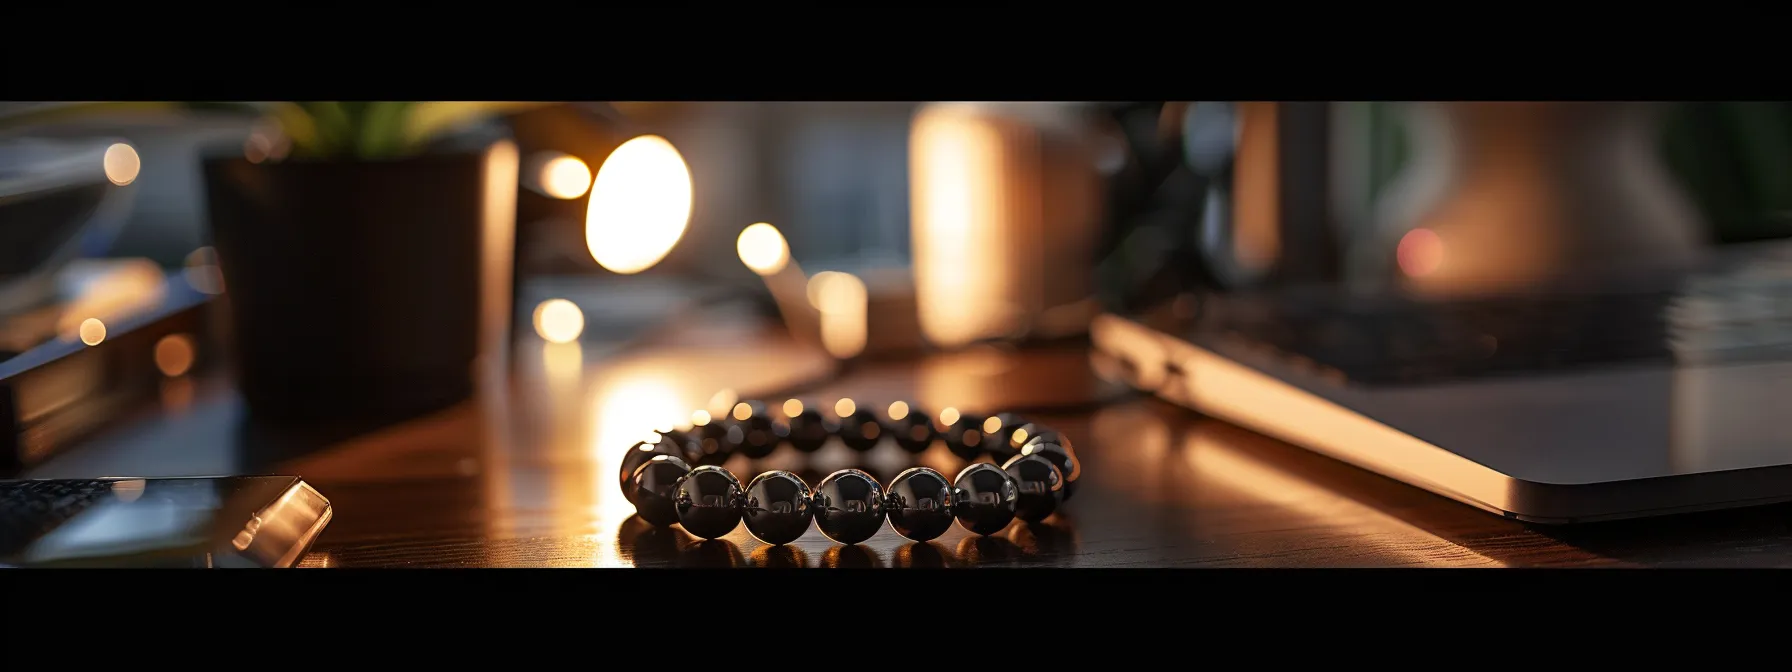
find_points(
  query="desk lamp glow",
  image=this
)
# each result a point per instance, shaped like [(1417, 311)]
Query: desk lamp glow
[(640, 205), (763, 249)]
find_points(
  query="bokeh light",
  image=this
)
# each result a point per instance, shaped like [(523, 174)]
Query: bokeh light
[(640, 205)]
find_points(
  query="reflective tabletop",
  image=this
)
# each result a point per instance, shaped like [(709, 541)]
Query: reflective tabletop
[(525, 476)]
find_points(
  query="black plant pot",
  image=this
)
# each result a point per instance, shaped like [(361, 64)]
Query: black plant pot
[(363, 292)]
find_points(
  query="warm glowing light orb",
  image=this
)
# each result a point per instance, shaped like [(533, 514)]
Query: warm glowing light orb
[(898, 410), (174, 354), (762, 248), (93, 331), (122, 164), (565, 177), (559, 321), (1420, 253), (845, 407), (640, 205)]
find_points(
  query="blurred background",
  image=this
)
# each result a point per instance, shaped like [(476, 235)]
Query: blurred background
[(923, 226), (323, 267)]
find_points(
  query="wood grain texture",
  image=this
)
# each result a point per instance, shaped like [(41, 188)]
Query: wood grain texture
[(526, 477)]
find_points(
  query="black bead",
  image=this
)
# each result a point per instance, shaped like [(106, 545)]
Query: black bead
[(1001, 430), (638, 455), (911, 428), (849, 506), (1061, 455), (858, 428), (984, 498), (1040, 487), (684, 443), (963, 433), (708, 502), (656, 489), (804, 427), (1027, 433), (1037, 433), (709, 441), (777, 509), (919, 504), (751, 431)]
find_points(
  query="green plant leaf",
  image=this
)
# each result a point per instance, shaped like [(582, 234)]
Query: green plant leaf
[(428, 120), (335, 129), (296, 122), (382, 129)]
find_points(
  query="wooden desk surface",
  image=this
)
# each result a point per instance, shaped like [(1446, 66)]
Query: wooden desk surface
[(526, 476)]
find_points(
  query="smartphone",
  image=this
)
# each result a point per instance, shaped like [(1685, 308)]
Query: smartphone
[(226, 522)]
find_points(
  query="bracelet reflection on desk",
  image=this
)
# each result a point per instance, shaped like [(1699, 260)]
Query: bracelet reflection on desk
[(676, 476)]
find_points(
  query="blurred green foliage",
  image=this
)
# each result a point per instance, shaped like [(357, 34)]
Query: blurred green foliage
[(368, 130)]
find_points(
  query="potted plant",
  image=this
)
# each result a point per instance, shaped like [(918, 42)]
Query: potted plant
[(365, 252)]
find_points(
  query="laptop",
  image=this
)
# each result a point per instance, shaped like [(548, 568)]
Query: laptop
[(1616, 397)]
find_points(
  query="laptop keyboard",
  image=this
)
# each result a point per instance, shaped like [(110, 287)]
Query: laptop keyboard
[(1407, 342), (31, 509)]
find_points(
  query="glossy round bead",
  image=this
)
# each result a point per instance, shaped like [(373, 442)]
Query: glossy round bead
[(1039, 486), (638, 455), (803, 427), (963, 433), (656, 489), (910, 427), (709, 441), (849, 506), (751, 431), (919, 504), (984, 498), (777, 510), (1001, 429), (1027, 433), (683, 443), (858, 428), (708, 502), (1061, 455)]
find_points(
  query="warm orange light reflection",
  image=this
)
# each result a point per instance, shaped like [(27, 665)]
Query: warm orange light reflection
[(699, 418), (174, 354), (948, 416), (898, 410), (117, 290), (991, 425), (176, 395), (93, 331), (559, 321), (1213, 459), (845, 312), (640, 205), (129, 490), (762, 248), (793, 407), (957, 182), (845, 407), (565, 364), (632, 403), (1420, 253), (742, 411), (122, 164), (565, 177)]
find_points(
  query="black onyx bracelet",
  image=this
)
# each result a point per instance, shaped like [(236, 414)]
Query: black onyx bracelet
[(676, 475)]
